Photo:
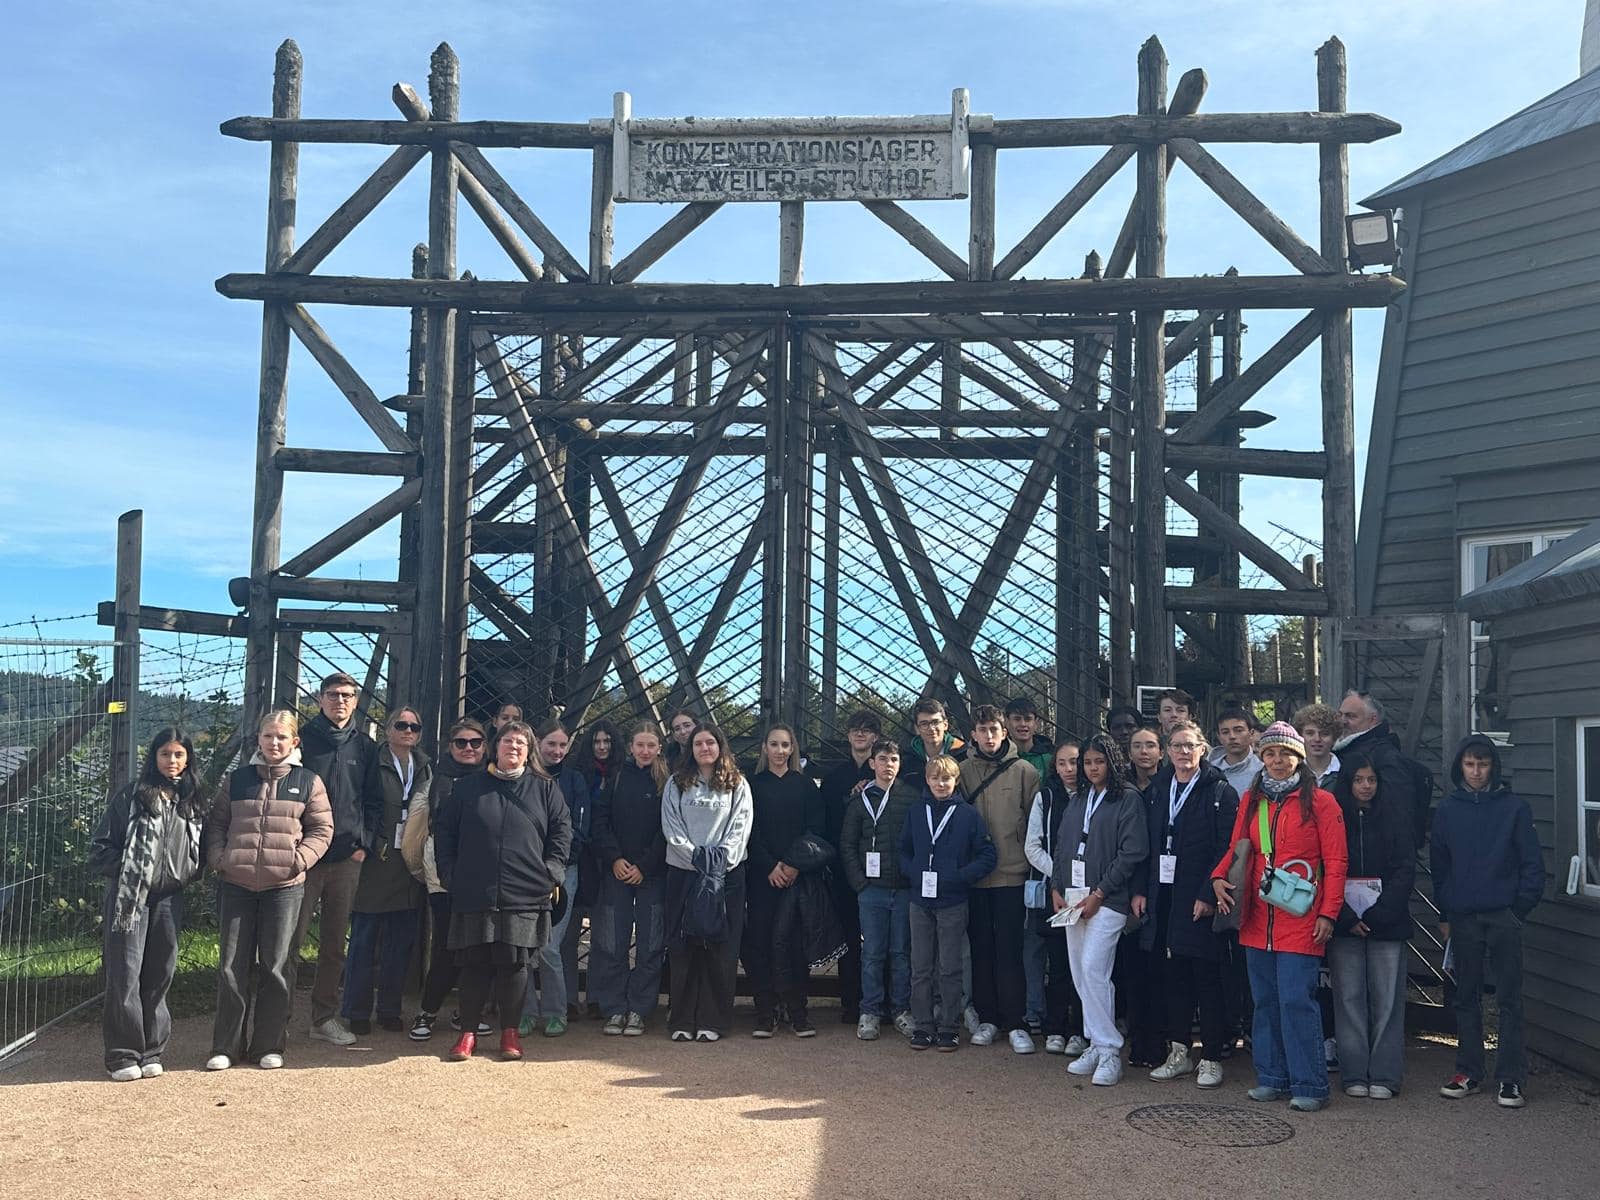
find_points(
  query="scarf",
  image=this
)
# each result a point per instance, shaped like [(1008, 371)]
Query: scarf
[(499, 774), (141, 851), (1277, 789)]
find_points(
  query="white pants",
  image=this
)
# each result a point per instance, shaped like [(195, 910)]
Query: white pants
[(1092, 949)]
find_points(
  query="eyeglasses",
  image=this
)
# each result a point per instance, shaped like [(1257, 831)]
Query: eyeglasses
[(1183, 747), (466, 743), (343, 697), (407, 727), (930, 722)]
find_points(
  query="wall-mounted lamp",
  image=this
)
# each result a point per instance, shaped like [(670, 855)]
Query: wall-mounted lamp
[(1371, 239)]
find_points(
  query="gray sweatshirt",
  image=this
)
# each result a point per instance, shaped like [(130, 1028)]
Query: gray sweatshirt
[(703, 817), (1118, 842)]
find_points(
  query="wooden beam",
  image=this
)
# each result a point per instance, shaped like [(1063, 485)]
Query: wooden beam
[(370, 519), (472, 159), (1153, 128), (1220, 524), (1406, 627), (347, 462), (286, 685), (180, 620), (61, 742), (1221, 405), (1186, 98), (1255, 601), (345, 377), (124, 752), (791, 242), (354, 210), (1282, 464), (1183, 343), (1273, 229), (343, 591), (981, 214), (728, 591), (1119, 500), (1064, 209), (831, 299), (921, 238), (650, 251), (344, 620), (602, 214)]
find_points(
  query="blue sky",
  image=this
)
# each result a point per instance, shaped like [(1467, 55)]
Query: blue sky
[(130, 383)]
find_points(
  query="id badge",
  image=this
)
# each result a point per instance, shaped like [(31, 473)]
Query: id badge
[(874, 864), (1168, 868), (1078, 876), (399, 834), (930, 885)]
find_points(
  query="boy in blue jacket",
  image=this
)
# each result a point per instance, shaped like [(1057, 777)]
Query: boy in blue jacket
[(945, 848), (1488, 874)]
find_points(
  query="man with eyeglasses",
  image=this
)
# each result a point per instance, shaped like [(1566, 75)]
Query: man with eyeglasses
[(933, 738), (346, 759)]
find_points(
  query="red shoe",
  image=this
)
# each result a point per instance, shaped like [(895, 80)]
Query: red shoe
[(465, 1045), (510, 1044)]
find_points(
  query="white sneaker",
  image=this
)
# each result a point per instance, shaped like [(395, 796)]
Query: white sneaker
[(707, 1035), (634, 1026), (270, 1062), (1209, 1075), (1021, 1042), (971, 1019), (1378, 1092), (218, 1062), (984, 1034), (1055, 1043), (150, 1070), (867, 1027), (1076, 1045), (125, 1074), (1085, 1063), (1177, 1063), (333, 1032), (904, 1024), (1109, 1069)]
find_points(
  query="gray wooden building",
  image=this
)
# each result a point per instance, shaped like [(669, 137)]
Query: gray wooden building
[(1483, 467)]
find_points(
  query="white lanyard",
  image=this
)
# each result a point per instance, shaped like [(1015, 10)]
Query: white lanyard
[(1176, 802), (933, 833), (407, 775), (1096, 799), (878, 814)]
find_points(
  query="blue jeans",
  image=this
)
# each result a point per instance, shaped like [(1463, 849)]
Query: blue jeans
[(1286, 1036), (628, 915), (550, 1000), (1369, 1009), (885, 932), (387, 938), (1033, 968)]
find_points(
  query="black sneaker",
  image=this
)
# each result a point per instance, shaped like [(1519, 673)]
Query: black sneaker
[(360, 1026), (1459, 1086), (945, 1042), (802, 1026), (766, 1026), (921, 1041), (422, 1027), (1511, 1095)]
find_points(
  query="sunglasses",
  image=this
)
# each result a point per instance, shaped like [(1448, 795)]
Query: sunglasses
[(407, 727), (466, 743)]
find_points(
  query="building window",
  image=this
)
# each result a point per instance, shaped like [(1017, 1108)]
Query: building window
[(1483, 560), (1588, 793)]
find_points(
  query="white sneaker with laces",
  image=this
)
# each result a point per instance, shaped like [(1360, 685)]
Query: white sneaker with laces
[(984, 1034), (333, 1032), (1076, 1045), (634, 1026), (1177, 1063), (270, 1062), (971, 1019), (1055, 1043), (218, 1062), (1085, 1063), (125, 1074), (1109, 1069), (867, 1027), (1022, 1042), (150, 1070), (1378, 1092), (904, 1024), (1209, 1075), (707, 1035)]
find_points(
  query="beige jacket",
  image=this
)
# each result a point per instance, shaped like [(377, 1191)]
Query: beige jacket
[(268, 840), (1003, 804)]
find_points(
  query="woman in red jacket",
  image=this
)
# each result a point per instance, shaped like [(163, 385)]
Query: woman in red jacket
[(1294, 825)]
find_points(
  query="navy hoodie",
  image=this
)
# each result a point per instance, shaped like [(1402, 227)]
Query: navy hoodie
[(963, 855), (1485, 854)]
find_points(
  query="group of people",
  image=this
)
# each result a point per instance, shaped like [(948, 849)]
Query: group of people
[(1112, 894)]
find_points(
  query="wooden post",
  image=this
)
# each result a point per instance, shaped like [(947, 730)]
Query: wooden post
[(832, 511), (286, 690), (1311, 636), (1338, 407), (794, 365), (981, 219), (1154, 638), (773, 557), (1077, 696), (400, 645), (124, 701), (791, 241), (266, 527), (438, 425), (602, 215), (1119, 528), (1455, 688), (1233, 633)]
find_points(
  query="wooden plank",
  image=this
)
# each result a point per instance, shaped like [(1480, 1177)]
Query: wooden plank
[(347, 462), (1119, 501), (286, 686), (345, 377), (343, 591), (831, 299), (1228, 188), (179, 620), (728, 591), (791, 242), (1234, 394), (1215, 521), (124, 764), (930, 244), (1153, 128), (370, 519), (343, 620), (1419, 698), (677, 227), (555, 135), (1282, 464), (1255, 601), (1394, 627), (1064, 209), (602, 214), (981, 213)]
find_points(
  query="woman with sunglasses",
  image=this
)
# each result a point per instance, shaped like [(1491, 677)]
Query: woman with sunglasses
[(383, 917), (1192, 809), (466, 741)]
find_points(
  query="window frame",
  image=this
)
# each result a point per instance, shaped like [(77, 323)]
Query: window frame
[(1582, 806)]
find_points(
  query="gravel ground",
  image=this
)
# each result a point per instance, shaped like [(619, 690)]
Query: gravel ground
[(590, 1116)]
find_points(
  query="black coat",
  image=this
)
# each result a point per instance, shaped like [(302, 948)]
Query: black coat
[(1199, 840), (1397, 780), (627, 822), (347, 762), (805, 916), (1380, 846), (502, 843)]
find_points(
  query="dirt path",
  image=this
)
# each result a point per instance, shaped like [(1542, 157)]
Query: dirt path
[(590, 1116)]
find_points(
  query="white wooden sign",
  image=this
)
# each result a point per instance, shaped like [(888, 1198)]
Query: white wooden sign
[(790, 158)]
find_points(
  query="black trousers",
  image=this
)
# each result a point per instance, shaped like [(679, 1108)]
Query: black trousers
[(994, 931), (703, 977), (442, 969), (1063, 1011), (1187, 984), (848, 906), (761, 964), (482, 975), (139, 963)]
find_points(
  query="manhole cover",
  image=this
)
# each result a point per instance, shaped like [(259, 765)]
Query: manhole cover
[(1210, 1125)]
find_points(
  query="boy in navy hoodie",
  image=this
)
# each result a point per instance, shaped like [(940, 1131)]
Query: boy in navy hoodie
[(1488, 874), (945, 848)]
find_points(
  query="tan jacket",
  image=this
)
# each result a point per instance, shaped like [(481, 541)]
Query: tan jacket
[(1003, 804), (268, 841)]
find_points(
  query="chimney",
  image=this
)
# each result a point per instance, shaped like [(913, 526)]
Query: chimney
[(1589, 54)]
